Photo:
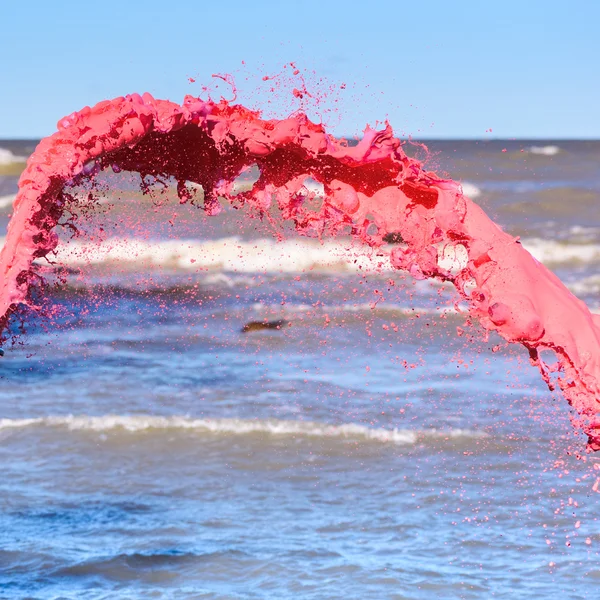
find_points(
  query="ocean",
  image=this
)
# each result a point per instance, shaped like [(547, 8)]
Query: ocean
[(372, 442)]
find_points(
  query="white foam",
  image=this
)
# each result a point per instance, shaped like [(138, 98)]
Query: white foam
[(8, 158), (583, 234), (228, 254), (543, 150), (7, 201), (552, 252), (288, 308), (357, 307), (587, 285), (231, 254), (470, 190), (269, 427), (404, 310), (293, 255)]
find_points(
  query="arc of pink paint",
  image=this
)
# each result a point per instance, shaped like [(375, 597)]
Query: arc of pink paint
[(374, 181)]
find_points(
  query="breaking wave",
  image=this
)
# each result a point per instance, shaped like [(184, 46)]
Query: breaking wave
[(8, 158), (242, 427), (7, 202), (293, 255), (229, 254), (552, 252), (543, 150)]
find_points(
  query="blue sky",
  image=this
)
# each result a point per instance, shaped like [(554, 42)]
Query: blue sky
[(435, 69)]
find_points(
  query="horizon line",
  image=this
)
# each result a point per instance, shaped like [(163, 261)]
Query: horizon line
[(402, 138)]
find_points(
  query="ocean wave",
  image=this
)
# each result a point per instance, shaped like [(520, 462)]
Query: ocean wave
[(553, 252), (587, 285), (390, 308), (8, 158), (291, 256), (583, 234), (233, 255), (543, 150), (7, 201), (242, 427), (298, 255), (227, 254), (384, 307)]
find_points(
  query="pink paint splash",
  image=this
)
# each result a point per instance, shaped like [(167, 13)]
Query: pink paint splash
[(373, 185)]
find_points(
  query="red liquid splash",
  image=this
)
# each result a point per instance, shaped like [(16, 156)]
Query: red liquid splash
[(371, 184)]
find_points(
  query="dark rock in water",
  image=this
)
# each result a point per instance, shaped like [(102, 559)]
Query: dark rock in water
[(393, 238), (1, 351), (260, 325)]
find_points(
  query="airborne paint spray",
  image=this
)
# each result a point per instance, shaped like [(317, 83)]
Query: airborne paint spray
[(371, 190)]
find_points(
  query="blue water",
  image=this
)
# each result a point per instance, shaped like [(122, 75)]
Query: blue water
[(150, 449)]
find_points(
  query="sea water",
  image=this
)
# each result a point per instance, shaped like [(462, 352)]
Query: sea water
[(376, 445)]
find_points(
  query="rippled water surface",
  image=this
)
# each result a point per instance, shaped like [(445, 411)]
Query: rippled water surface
[(372, 444)]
